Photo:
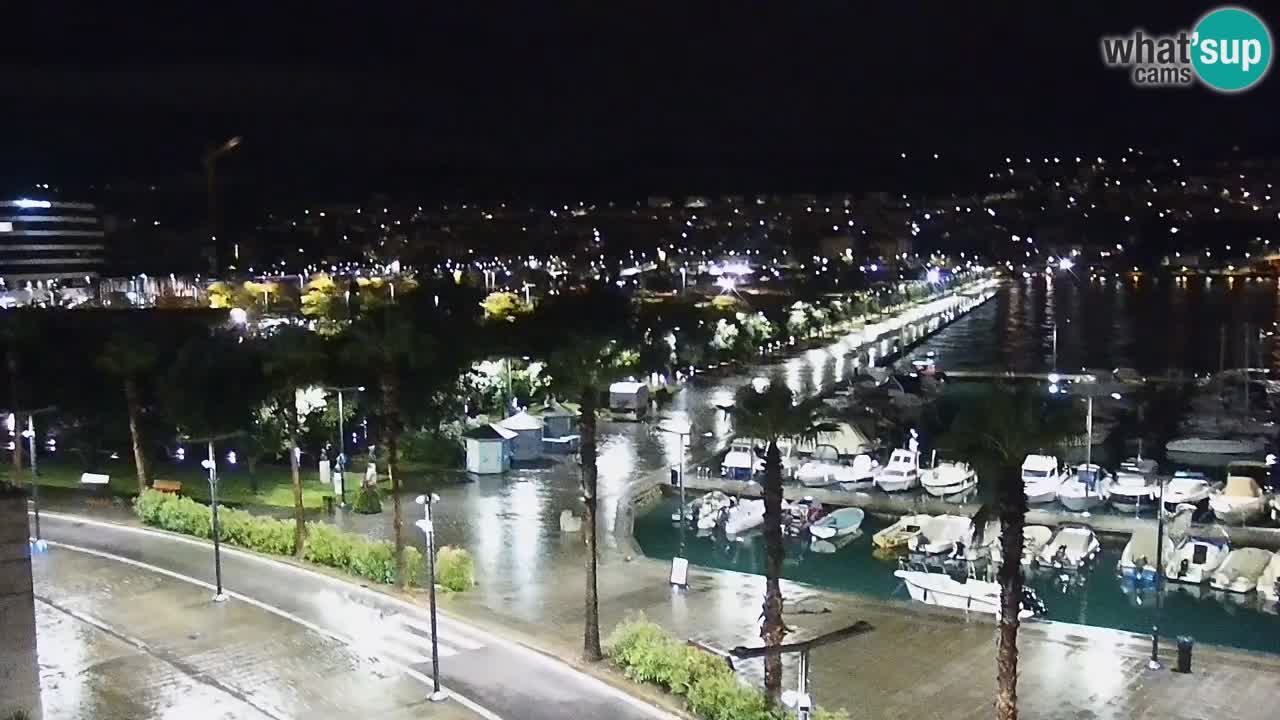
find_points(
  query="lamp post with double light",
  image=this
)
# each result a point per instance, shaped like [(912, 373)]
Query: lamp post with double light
[(682, 429), (342, 441), (30, 435), (211, 465), (427, 527)]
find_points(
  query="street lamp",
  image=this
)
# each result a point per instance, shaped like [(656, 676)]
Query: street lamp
[(428, 529), (342, 442), (30, 435), (211, 465), (679, 565), (210, 161), (1154, 663)]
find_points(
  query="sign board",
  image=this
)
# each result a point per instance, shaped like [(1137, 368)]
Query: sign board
[(94, 479), (679, 572), (325, 478)]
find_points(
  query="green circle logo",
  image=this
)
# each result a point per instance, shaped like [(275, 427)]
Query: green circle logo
[(1231, 49)]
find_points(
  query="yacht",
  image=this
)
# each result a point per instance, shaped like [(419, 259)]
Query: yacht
[(1196, 559), (741, 462), (1129, 491), (1138, 560), (947, 479), (901, 473), (900, 533), (1083, 492), (1071, 548), (1240, 571), (1186, 487), (940, 534), (1041, 477), (1241, 500)]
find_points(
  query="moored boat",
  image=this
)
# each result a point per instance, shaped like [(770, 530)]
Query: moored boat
[(1138, 560), (967, 593), (1269, 582), (1041, 478), (1197, 557), (948, 478), (842, 522), (1072, 547), (900, 533), (902, 472), (940, 535), (1130, 492), (1240, 570), (1186, 487), (1083, 492), (1241, 499), (1214, 446)]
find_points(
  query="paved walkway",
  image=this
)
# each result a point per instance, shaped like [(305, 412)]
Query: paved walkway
[(500, 679), (120, 642)]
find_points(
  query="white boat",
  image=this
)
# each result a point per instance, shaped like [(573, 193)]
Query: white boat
[(826, 467), (1197, 558), (1269, 582), (1041, 478), (1034, 537), (901, 473), (1275, 509), (1083, 492), (1138, 560), (859, 474), (977, 547), (741, 462), (948, 478), (1213, 446), (940, 535), (1072, 547), (1186, 487), (968, 594), (842, 522), (1239, 501), (1240, 571), (900, 533), (744, 516), (705, 509), (1130, 492)]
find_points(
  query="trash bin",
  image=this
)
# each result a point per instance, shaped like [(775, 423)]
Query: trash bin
[(1185, 643)]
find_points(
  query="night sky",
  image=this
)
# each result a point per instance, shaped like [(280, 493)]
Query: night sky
[(593, 96)]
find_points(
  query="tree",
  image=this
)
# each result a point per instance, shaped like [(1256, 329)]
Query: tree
[(128, 356), (583, 336), (771, 413), (995, 435), (21, 335), (292, 358)]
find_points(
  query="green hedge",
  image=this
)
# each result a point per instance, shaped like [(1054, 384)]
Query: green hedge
[(368, 501), (351, 553), (711, 690), (455, 570)]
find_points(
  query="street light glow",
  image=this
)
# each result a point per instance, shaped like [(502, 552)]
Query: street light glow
[(1066, 264)]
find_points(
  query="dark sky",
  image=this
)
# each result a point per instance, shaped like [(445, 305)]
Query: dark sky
[(588, 96)]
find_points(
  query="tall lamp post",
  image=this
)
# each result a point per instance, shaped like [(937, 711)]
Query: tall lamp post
[(1154, 663), (428, 529), (342, 442), (30, 435), (211, 464), (210, 162), (679, 564)]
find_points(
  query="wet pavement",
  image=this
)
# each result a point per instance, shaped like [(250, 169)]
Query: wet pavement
[(117, 641)]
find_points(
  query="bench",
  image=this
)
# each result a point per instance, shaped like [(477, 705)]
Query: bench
[(167, 486)]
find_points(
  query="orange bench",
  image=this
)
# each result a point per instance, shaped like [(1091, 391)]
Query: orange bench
[(167, 486)]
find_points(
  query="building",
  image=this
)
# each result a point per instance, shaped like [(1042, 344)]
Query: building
[(43, 240)]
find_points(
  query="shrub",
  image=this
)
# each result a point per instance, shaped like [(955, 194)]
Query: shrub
[(368, 501), (455, 570), (720, 696)]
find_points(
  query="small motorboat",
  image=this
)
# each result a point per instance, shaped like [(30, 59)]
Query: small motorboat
[(1071, 548), (1041, 478), (1187, 487), (1269, 582), (940, 535), (967, 593), (900, 533), (743, 516), (1084, 491), (948, 478), (859, 474), (799, 515), (1130, 492), (1138, 560), (1240, 501), (1034, 538), (1214, 446), (704, 512), (741, 462), (1197, 557), (841, 523), (901, 473), (1240, 571), (821, 468)]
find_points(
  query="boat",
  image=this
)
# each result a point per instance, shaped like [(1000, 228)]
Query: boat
[(1072, 547), (860, 474), (1240, 501), (741, 462), (967, 593), (743, 516), (948, 478), (1041, 478), (1130, 492), (1269, 582), (940, 534), (979, 547), (1034, 538), (901, 473), (1214, 446), (842, 522), (1197, 557), (1240, 571), (827, 547), (707, 506), (898, 534), (799, 515), (1138, 560), (1275, 509), (826, 467), (1084, 491), (1139, 465), (1186, 487)]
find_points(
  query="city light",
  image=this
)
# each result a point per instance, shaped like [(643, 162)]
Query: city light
[(1066, 264), (26, 203)]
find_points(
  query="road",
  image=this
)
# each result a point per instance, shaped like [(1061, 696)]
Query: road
[(493, 677)]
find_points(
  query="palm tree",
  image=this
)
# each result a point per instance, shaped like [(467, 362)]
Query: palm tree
[(995, 434), (292, 358), (580, 336), (128, 357), (771, 413)]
